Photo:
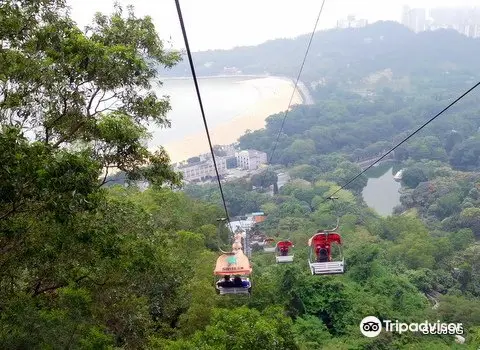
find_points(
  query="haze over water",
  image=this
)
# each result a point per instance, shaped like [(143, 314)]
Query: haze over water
[(231, 104), (223, 99)]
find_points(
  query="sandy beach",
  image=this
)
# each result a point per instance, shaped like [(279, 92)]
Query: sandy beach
[(274, 93)]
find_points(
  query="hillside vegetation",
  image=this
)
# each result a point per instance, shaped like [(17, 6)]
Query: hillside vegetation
[(85, 266), (383, 54)]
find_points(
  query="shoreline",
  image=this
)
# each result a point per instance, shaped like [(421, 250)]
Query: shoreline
[(305, 92), (302, 89), (221, 76), (272, 101)]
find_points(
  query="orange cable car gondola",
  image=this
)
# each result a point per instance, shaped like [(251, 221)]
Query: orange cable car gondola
[(237, 264)]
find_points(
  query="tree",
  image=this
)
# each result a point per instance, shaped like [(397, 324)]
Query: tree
[(310, 330), (290, 224), (453, 137), (265, 179), (193, 160), (242, 328), (447, 205), (305, 172), (401, 153), (411, 177), (300, 149), (470, 217), (457, 309), (219, 151), (77, 262), (232, 163), (346, 171), (474, 336), (89, 90), (428, 147), (466, 155), (461, 239)]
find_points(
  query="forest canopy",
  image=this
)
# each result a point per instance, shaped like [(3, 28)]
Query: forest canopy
[(86, 266)]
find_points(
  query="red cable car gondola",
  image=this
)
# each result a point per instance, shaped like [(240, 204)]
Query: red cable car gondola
[(326, 253), (283, 254)]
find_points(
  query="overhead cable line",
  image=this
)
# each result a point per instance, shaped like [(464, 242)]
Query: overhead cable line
[(194, 75), (296, 82), (403, 141)]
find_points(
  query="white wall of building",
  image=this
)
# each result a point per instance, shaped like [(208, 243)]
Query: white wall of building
[(200, 170), (251, 159)]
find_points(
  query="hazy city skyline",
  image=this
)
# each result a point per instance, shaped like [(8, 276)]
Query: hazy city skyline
[(464, 20), (215, 24)]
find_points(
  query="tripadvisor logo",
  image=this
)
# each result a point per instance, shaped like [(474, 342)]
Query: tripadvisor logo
[(370, 326)]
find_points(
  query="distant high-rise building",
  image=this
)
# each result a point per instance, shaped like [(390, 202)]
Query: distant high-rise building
[(405, 15), (351, 22), (465, 20), (415, 19)]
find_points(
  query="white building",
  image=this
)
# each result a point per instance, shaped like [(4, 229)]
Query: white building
[(199, 171), (247, 222), (250, 159), (244, 225), (351, 22)]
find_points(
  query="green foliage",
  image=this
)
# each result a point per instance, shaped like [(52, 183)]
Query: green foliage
[(305, 172), (264, 179), (466, 155), (461, 239), (331, 301), (310, 331), (231, 162), (240, 198), (83, 266), (455, 309), (88, 90), (193, 160), (411, 177), (379, 49), (298, 152), (362, 263), (470, 217), (243, 328)]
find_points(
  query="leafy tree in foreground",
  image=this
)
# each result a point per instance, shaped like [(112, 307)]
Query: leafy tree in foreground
[(241, 328), (75, 264), (85, 90)]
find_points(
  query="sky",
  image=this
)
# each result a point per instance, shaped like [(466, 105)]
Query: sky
[(224, 24)]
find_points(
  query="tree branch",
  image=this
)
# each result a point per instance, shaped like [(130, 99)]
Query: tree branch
[(39, 291), (8, 213), (105, 177), (99, 101), (79, 124)]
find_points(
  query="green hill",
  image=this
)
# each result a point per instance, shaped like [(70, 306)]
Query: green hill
[(352, 56)]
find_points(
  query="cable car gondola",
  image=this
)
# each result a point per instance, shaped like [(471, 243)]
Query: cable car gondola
[(235, 263), (269, 245), (326, 253), (283, 252)]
